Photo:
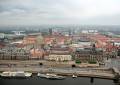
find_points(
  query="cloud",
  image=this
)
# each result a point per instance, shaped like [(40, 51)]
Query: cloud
[(34, 12)]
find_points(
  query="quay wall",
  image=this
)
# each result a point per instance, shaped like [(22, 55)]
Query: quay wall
[(90, 73)]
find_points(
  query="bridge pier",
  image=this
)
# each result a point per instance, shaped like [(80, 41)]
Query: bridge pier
[(92, 79), (117, 75), (116, 79)]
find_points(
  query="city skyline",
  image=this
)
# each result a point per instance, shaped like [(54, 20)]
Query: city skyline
[(38, 12)]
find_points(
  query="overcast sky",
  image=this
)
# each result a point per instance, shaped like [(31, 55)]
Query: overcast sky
[(38, 12)]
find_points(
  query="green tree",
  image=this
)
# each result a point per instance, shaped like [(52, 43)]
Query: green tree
[(77, 61), (92, 62)]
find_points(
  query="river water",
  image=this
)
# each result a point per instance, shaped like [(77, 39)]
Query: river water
[(67, 81)]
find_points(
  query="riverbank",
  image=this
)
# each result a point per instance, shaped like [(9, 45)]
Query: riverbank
[(27, 63), (80, 72), (60, 68)]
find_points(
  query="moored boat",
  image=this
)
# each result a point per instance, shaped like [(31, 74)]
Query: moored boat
[(16, 74), (74, 76), (51, 76)]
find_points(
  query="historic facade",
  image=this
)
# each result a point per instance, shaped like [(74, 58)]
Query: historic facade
[(59, 54), (88, 55), (13, 53)]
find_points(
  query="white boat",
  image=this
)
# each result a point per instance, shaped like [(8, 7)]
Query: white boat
[(5, 74), (17, 74), (51, 76), (42, 75), (74, 76)]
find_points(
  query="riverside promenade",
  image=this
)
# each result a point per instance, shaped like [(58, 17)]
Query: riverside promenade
[(34, 67)]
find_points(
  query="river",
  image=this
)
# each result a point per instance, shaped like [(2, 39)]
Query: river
[(67, 81)]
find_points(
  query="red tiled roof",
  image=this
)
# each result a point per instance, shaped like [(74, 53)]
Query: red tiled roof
[(2, 45)]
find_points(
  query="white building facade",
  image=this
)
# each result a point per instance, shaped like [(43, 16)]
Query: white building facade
[(57, 57)]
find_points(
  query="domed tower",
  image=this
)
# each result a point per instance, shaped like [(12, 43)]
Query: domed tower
[(40, 41)]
